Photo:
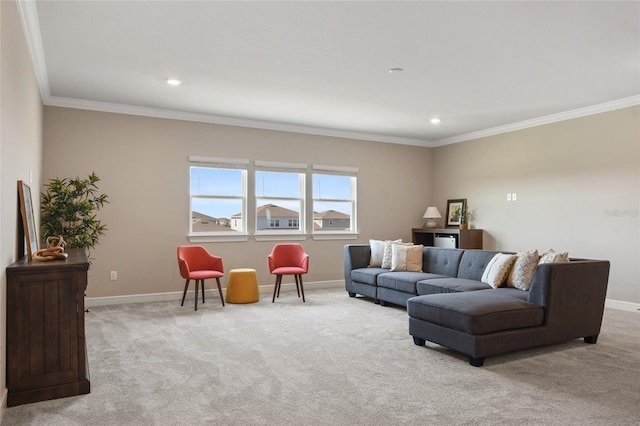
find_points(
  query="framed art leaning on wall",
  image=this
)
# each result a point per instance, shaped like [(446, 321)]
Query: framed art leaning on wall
[(28, 219), (455, 208)]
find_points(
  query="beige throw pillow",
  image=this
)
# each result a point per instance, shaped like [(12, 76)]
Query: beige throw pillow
[(550, 256), (406, 258), (497, 269), (523, 269)]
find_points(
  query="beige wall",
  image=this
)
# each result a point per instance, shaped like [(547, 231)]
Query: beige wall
[(143, 164), (20, 145), (577, 185)]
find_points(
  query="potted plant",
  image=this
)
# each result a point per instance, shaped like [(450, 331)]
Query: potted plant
[(466, 214), (68, 209)]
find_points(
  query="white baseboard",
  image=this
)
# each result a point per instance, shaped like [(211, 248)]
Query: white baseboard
[(177, 295), (623, 306)]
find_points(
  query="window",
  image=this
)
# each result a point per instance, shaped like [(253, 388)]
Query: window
[(279, 191), (334, 199), (217, 189)]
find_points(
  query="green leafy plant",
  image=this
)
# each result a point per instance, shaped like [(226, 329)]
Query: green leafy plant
[(68, 209)]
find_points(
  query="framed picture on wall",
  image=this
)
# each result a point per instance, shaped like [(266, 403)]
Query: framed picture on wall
[(455, 208), (28, 219)]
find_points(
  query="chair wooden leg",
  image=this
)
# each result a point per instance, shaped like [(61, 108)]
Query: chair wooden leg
[(301, 287), (186, 286), (196, 295), (276, 288), (202, 286), (297, 285), (220, 290)]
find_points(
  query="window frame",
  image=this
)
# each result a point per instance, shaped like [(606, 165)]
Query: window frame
[(221, 164), (352, 174), (280, 233)]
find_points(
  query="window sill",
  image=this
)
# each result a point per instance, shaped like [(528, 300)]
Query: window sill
[(220, 238), (279, 237), (335, 236)]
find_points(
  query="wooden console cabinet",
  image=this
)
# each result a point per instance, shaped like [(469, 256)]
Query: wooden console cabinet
[(46, 346), (464, 238)]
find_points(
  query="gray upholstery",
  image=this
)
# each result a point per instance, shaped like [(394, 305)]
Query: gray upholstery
[(478, 312), (449, 285), (473, 263), (449, 305), (404, 281), (442, 261)]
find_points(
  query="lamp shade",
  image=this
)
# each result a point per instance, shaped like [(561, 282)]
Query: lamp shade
[(430, 214)]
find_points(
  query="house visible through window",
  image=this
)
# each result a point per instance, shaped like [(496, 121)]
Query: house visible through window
[(334, 199), (279, 191), (217, 191)]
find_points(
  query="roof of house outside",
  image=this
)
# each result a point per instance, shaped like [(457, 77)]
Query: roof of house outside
[(330, 214)]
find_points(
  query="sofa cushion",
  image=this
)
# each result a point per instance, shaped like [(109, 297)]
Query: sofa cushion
[(523, 269), (477, 312), (473, 263), (367, 275), (406, 258), (551, 256), (495, 274), (404, 281), (449, 285), (441, 261), (387, 257), (377, 252)]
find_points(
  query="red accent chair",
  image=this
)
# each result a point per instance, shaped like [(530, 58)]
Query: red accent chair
[(288, 259), (197, 264)]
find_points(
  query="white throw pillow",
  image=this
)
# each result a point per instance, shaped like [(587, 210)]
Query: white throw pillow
[(377, 251), (497, 269), (406, 258), (550, 256), (386, 257), (523, 269)]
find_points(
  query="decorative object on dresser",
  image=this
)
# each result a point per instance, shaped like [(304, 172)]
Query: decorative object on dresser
[(68, 209), (431, 213), (46, 346), (27, 231), (455, 208)]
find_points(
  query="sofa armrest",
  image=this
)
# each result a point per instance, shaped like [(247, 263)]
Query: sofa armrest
[(573, 296), (355, 256)]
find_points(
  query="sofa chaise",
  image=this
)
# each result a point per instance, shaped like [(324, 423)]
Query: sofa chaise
[(449, 304)]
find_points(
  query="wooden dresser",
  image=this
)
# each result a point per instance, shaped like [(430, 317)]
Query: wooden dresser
[(46, 346)]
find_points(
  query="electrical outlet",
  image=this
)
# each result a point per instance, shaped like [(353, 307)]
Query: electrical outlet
[(114, 275)]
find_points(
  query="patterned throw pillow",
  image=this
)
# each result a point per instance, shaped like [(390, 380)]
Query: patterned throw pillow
[(406, 258), (523, 269), (497, 269), (550, 256), (388, 254)]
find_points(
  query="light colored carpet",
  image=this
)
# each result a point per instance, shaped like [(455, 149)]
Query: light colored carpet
[(331, 361)]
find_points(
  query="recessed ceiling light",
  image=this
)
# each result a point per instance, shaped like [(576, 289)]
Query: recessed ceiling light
[(397, 69), (435, 120), (173, 81)]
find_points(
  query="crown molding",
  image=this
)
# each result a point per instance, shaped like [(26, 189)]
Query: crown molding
[(31, 28), (547, 119), (229, 121)]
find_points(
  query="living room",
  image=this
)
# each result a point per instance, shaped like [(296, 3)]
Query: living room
[(577, 176)]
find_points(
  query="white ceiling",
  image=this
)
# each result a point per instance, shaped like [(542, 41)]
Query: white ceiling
[(322, 67)]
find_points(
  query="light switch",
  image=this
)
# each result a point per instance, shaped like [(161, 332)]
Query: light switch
[(514, 197), (509, 196)]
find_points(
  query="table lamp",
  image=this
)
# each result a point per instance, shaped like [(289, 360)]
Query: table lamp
[(430, 214)]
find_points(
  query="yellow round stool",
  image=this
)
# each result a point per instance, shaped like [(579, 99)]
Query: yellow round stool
[(242, 286)]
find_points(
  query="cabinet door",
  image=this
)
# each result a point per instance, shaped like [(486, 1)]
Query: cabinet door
[(42, 330)]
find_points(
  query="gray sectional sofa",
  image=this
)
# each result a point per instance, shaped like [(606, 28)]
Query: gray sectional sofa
[(448, 304)]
